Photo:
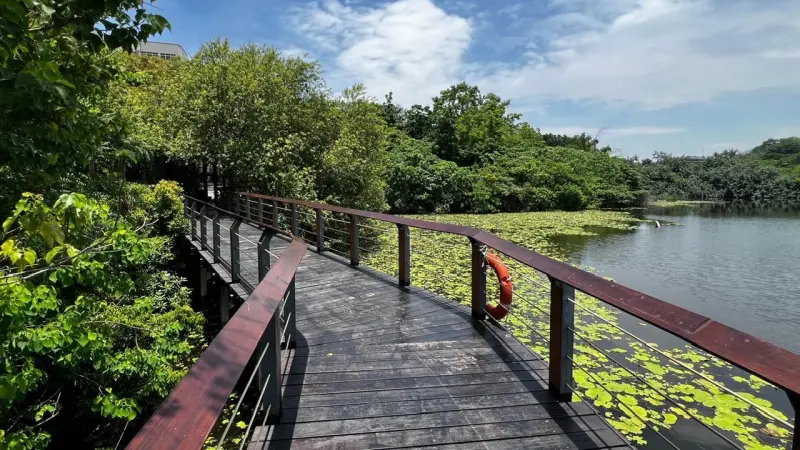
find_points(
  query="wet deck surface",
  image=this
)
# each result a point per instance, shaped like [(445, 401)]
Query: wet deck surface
[(380, 366)]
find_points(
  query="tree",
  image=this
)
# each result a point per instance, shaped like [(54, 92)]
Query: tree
[(353, 172), (783, 154), (393, 115), (54, 69), (469, 128), (418, 181), (418, 122), (266, 123)]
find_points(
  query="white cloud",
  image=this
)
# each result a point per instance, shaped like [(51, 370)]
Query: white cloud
[(656, 53), (409, 47), (298, 52), (612, 132), (644, 54), (640, 131)]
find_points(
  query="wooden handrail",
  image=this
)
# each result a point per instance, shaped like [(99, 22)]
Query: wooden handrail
[(779, 366), (187, 416), (236, 215)]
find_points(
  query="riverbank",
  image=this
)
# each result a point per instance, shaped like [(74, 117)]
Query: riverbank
[(672, 203)]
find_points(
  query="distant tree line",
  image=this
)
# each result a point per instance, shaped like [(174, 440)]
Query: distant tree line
[(259, 120), (768, 173)]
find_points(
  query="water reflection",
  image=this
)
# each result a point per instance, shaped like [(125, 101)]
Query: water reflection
[(736, 263)]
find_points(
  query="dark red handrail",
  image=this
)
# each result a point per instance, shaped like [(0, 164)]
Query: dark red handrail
[(187, 416), (779, 366)]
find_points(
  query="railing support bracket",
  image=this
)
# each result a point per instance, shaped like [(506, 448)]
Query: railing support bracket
[(404, 255), (478, 282), (562, 322)]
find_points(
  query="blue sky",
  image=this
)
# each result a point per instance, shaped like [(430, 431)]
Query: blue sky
[(683, 76)]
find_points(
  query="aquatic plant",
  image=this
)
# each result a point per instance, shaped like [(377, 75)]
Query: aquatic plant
[(641, 388)]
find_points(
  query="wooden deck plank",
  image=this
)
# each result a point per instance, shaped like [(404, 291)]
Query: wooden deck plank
[(439, 419), (410, 383), (584, 440), (461, 390), (444, 435), (383, 366), (324, 367), (388, 374), (407, 407)]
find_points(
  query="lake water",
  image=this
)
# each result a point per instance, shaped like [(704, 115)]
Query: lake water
[(739, 265)]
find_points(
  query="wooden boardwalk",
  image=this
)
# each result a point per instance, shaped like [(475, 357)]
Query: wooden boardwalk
[(381, 366)]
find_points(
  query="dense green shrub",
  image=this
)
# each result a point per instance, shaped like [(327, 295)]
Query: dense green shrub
[(161, 205), (92, 331), (419, 181), (469, 154)]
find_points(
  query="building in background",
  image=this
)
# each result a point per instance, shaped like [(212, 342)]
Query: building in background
[(161, 50)]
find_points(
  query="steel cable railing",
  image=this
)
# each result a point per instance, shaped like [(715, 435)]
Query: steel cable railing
[(241, 340), (541, 284), (683, 365), (644, 420), (660, 392), (517, 297)]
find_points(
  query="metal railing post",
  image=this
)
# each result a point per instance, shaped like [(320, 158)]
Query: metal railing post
[(246, 207), (275, 214), (290, 317), (354, 240), (260, 210), (193, 218), (404, 255), (478, 282), (224, 304), (203, 228), (263, 253), (562, 322), (294, 219), (203, 282), (215, 236), (320, 230), (270, 369), (235, 250), (794, 399)]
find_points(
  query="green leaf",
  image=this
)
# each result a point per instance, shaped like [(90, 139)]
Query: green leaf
[(160, 23), (7, 223), (71, 251), (52, 254), (30, 256), (51, 232), (49, 10), (241, 424)]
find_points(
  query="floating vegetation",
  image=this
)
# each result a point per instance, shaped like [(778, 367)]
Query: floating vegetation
[(673, 203), (640, 387)]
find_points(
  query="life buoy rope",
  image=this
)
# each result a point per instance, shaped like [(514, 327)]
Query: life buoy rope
[(506, 287)]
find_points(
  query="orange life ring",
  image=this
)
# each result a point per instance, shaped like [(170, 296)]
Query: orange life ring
[(506, 287)]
